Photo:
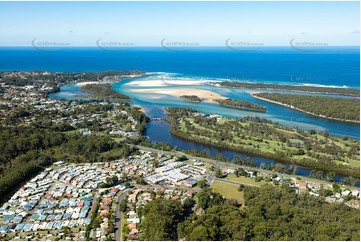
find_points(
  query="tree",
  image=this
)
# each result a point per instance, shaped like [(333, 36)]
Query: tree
[(202, 183), (273, 213), (155, 163), (199, 233), (218, 173), (331, 176), (161, 218), (258, 179), (241, 187), (336, 188), (140, 180), (123, 205), (182, 158), (124, 176), (312, 131)]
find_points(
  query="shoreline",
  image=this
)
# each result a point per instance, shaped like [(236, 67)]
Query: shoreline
[(301, 110), (217, 84)]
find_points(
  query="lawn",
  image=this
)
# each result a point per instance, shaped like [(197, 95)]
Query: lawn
[(245, 180), (228, 190)]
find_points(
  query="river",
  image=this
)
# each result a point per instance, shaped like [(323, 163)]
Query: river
[(159, 131)]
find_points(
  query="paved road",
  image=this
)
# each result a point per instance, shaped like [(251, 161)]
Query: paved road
[(167, 187), (94, 203), (118, 217), (224, 164), (210, 178)]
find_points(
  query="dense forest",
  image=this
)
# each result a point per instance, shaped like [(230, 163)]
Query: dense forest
[(347, 109), (161, 218), (191, 98), (103, 91), (241, 104), (314, 89), (269, 213), (261, 137), (272, 213)]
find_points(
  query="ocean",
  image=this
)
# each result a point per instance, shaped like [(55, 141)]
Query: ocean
[(330, 66)]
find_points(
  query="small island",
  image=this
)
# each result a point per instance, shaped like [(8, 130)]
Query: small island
[(191, 98), (241, 104), (311, 89), (342, 109), (103, 91)]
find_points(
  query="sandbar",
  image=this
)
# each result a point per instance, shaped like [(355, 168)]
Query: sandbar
[(164, 82), (209, 96), (80, 84)]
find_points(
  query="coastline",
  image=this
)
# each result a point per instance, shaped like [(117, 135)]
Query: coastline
[(301, 110), (217, 84)]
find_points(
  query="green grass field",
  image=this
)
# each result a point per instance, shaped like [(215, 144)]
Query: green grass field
[(228, 190), (277, 142), (245, 180)]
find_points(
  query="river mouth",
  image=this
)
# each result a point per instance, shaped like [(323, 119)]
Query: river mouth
[(159, 131)]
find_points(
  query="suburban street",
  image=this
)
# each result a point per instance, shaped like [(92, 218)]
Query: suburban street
[(118, 217)]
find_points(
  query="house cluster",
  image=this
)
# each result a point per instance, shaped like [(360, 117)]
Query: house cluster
[(46, 203), (177, 173), (115, 121), (86, 175), (342, 194), (350, 197), (61, 196), (138, 198), (105, 212), (64, 195), (138, 165)]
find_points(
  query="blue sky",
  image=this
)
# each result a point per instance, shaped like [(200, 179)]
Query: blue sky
[(201, 23)]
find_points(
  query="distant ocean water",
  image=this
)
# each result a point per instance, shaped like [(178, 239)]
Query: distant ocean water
[(330, 66)]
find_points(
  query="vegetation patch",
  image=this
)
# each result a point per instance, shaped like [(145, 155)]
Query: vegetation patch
[(191, 98), (343, 109), (241, 104), (261, 137), (311, 89), (103, 91), (227, 190)]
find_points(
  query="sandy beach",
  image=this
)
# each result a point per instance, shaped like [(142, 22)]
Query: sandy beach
[(209, 96), (80, 84), (163, 82)]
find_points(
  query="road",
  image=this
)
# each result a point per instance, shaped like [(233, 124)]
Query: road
[(118, 216), (224, 164), (210, 178)]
